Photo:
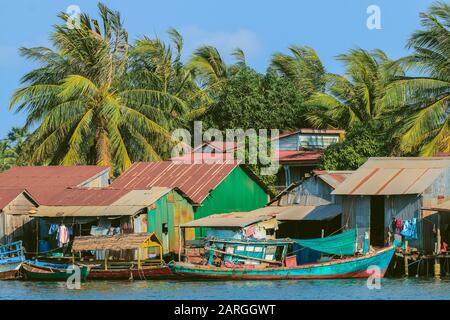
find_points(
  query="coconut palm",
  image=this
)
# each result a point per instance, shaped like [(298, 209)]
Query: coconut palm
[(424, 117), (86, 107), (303, 66), (354, 97), (211, 71), (154, 64), (7, 155)]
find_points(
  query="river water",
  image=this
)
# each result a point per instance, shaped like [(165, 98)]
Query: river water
[(411, 288)]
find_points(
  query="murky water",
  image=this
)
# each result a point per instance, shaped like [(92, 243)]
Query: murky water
[(412, 288)]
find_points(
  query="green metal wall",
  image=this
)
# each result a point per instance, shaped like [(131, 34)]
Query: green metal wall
[(172, 209), (237, 192)]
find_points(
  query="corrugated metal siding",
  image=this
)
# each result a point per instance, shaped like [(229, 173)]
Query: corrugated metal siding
[(17, 223), (289, 142), (238, 192), (317, 140), (404, 207), (174, 210), (312, 192), (356, 214)]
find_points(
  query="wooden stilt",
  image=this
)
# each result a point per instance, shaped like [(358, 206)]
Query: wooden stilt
[(437, 268), (405, 255)]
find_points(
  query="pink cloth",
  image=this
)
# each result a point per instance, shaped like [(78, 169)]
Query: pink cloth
[(63, 235)]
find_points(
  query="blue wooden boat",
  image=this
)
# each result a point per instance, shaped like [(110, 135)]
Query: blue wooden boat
[(236, 262), (11, 259)]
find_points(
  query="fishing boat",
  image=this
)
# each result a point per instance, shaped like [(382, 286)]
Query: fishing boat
[(131, 273), (41, 272), (267, 259), (11, 259)]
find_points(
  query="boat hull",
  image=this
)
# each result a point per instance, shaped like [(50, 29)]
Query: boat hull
[(9, 271), (336, 269), (39, 273), (145, 273)]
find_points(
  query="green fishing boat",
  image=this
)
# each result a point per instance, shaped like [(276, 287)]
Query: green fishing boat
[(34, 272)]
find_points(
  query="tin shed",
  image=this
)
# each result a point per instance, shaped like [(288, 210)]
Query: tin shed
[(15, 222), (384, 189)]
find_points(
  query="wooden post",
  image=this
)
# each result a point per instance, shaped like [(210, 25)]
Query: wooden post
[(180, 241), (106, 260), (37, 236), (139, 258), (405, 254), (322, 235), (437, 264)]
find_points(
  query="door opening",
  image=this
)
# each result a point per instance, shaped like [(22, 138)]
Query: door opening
[(377, 221)]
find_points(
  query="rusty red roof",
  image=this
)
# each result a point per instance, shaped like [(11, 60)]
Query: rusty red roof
[(7, 195), (333, 178), (87, 196), (45, 182), (195, 180), (299, 156)]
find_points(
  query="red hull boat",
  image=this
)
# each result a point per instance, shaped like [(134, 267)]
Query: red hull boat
[(144, 273)]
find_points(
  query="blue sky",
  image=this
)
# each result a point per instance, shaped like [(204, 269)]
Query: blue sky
[(260, 27)]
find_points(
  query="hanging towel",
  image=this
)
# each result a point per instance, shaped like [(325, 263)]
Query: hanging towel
[(409, 230), (53, 228)]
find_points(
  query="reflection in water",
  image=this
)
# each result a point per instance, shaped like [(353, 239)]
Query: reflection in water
[(412, 288)]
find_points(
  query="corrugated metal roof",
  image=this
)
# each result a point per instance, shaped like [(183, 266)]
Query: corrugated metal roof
[(131, 203), (86, 211), (333, 178), (141, 197), (44, 182), (194, 180), (7, 195), (298, 156), (444, 207), (393, 176), (87, 196), (235, 219), (303, 213)]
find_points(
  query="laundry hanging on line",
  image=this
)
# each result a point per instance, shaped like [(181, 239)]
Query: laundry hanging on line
[(409, 230)]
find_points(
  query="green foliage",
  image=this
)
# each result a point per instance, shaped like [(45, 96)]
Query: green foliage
[(362, 141), (423, 117), (252, 100), (13, 149)]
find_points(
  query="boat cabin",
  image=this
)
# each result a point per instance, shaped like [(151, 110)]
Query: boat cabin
[(147, 247)]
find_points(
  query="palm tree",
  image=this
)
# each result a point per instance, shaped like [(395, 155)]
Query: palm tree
[(211, 71), (303, 67), (356, 96), (423, 100), (7, 155), (158, 66), (87, 108)]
